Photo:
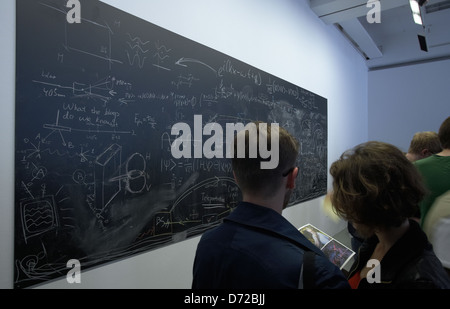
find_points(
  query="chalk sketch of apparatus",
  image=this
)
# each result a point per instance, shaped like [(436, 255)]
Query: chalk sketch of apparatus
[(84, 26), (39, 213), (102, 90), (57, 128), (38, 216), (109, 178)]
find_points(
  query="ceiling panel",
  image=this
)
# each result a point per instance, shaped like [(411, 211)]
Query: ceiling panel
[(394, 41)]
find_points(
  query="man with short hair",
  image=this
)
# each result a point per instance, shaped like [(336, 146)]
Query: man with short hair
[(255, 247)]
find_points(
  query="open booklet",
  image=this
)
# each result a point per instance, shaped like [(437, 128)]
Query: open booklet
[(338, 253)]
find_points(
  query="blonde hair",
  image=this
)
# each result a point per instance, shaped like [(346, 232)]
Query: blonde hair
[(425, 140)]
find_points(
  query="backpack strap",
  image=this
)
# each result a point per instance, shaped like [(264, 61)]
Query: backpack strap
[(306, 280)]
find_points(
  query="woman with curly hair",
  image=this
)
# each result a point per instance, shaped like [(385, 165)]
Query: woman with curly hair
[(378, 190)]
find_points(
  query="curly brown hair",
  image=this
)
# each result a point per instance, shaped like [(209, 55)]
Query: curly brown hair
[(375, 185)]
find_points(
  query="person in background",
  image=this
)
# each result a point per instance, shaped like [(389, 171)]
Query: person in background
[(435, 171), (423, 144), (377, 189), (255, 247), (437, 228)]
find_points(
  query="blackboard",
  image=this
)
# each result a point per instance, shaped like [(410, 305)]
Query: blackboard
[(95, 179)]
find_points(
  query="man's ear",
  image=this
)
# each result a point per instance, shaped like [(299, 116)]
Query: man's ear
[(425, 153), (291, 178)]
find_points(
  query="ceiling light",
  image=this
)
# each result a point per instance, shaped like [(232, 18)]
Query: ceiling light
[(417, 19), (415, 8)]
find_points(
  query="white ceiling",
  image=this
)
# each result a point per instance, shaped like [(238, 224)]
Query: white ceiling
[(394, 41)]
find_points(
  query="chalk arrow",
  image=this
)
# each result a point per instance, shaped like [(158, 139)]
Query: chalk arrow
[(183, 60), (123, 101)]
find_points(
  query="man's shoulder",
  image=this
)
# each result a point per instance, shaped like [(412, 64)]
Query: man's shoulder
[(428, 165), (425, 161)]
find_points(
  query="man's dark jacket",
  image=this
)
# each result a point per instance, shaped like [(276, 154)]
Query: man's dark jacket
[(257, 248)]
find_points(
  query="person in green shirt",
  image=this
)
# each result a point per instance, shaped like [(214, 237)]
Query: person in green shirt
[(435, 171)]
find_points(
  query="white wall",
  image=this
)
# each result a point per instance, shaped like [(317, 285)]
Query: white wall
[(7, 78), (284, 38), (405, 100)]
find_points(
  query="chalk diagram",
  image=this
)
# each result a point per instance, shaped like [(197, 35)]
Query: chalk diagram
[(105, 52), (161, 54), (137, 50), (38, 216)]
